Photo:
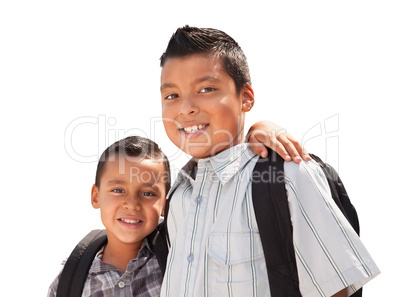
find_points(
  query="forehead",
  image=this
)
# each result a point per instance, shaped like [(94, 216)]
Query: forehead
[(131, 168), (192, 68)]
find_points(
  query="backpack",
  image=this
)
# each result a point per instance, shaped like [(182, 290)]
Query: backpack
[(273, 219), (72, 278)]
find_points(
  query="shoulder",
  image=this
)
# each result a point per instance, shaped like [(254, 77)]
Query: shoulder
[(305, 174), (54, 285), (306, 177), (296, 170)]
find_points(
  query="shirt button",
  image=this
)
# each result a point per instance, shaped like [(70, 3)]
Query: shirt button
[(198, 199), (122, 285), (190, 258)]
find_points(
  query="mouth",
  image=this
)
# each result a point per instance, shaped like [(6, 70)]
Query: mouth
[(130, 223), (194, 128)]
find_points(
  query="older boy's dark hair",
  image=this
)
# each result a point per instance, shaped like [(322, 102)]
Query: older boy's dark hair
[(135, 146), (187, 41)]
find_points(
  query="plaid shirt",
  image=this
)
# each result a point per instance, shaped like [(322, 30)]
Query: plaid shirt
[(142, 278)]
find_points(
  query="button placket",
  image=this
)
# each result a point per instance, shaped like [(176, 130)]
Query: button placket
[(190, 258), (198, 200)]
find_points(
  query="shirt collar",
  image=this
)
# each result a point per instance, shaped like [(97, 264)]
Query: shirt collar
[(98, 266), (226, 164)]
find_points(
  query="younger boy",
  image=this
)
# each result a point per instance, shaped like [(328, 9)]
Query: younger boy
[(216, 248), (132, 180)]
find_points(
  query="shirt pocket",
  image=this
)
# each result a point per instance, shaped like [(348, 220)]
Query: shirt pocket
[(235, 259)]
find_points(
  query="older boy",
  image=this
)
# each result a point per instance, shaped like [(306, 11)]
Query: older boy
[(215, 245), (132, 180)]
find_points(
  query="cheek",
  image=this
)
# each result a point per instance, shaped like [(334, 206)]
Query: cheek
[(169, 125), (226, 117), (155, 209), (169, 111), (109, 206), (168, 120)]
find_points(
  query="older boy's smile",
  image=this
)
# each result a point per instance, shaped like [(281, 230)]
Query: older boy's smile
[(194, 128), (203, 113)]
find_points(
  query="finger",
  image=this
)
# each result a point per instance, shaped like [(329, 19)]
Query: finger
[(300, 149), (259, 149), (272, 142), (262, 141), (291, 149), (281, 150), (306, 155)]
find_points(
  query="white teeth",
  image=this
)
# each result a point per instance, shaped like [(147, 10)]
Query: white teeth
[(130, 221), (193, 129)]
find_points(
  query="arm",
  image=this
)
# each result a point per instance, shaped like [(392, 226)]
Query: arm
[(267, 134), (318, 222)]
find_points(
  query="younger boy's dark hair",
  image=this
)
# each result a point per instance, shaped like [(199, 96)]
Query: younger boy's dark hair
[(188, 40), (135, 146)]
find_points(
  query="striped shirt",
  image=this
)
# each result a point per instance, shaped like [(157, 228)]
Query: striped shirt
[(143, 277), (216, 248)]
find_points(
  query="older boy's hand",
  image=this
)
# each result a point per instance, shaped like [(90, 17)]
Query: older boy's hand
[(265, 134)]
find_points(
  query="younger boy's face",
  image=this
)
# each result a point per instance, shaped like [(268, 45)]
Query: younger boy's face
[(131, 198), (202, 112)]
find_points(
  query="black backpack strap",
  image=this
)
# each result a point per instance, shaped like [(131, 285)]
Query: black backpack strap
[(166, 212), (74, 274), (273, 218), (159, 245), (339, 193)]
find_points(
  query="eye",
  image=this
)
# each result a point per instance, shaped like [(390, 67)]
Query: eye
[(148, 194), (118, 191), (171, 97), (207, 90)]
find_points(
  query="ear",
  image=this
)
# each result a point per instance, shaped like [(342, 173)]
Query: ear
[(95, 197), (247, 98)]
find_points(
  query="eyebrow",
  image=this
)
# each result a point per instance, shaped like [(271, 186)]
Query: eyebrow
[(167, 85), (149, 185), (116, 181), (208, 78), (122, 182), (200, 80)]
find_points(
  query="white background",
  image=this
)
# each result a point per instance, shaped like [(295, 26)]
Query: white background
[(77, 75)]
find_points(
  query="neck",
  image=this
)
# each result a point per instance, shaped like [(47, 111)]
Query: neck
[(120, 254), (238, 140)]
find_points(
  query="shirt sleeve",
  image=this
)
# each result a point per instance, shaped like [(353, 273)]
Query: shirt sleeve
[(54, 285), (329, 254)]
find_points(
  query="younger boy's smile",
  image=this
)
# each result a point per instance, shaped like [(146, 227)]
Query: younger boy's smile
[(202, 111), (130, 197), (130, 223)]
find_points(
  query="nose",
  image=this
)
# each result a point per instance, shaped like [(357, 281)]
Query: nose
[(132, 203), (188, 106)]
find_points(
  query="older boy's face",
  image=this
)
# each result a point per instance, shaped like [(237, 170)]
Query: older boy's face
[(131, 197), (202, 112)]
